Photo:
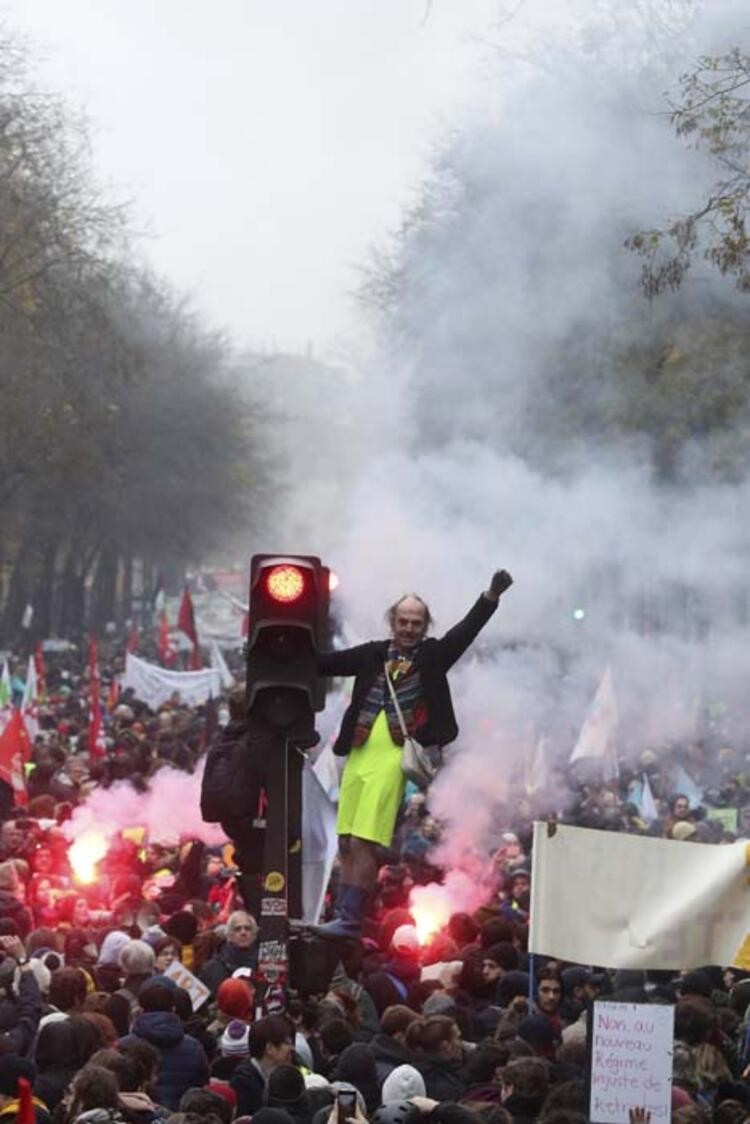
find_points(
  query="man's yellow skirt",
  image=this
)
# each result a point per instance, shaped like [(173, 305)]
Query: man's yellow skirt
[(372, 787)]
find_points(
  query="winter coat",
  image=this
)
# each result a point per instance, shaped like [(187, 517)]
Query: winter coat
[(226, 962), (388, 1053), (19, 1017), (249, 1083), (182, 1061), (443, 1078), (434, 658)]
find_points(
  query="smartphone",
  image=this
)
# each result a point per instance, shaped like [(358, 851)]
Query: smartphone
[(346, 1104)]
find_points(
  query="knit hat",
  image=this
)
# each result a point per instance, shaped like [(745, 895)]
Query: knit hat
[(234, 998), (286, 1086), (112, 946), (356, 1064), (403, 1083), (405, 939), (437, 1004), (538, 1031), (512, 985), (11, 1068), (137, 958), (235, 1041)]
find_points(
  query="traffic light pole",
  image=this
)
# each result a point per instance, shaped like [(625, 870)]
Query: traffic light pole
[(281, 871), (289, 602)]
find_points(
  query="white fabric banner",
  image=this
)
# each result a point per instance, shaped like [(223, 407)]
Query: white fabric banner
[(320, 793), (631, 901), (154, 685)]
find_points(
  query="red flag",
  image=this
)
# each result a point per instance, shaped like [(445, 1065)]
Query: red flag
[(134, 639), (41, 679), (15, 748), (167, 650), (186, 624), (96, 743), (113, 697), (26, 1113)]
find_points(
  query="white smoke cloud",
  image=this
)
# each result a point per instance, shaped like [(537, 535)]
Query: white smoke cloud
[(447, 474)]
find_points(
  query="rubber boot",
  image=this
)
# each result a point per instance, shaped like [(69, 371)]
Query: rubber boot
[(347, 915)]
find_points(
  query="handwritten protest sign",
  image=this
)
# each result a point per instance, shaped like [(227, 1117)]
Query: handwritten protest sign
[(197, 990), (631, 1061)]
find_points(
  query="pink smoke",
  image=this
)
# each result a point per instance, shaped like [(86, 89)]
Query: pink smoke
[(169, 811)]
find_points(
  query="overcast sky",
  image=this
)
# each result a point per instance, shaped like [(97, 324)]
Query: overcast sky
[(267, 144)]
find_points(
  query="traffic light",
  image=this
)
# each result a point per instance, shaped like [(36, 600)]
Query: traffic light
[(289, 596)]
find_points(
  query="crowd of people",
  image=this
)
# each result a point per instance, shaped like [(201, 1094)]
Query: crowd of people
[(462, 1028)]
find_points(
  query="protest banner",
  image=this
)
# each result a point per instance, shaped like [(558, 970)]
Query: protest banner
[(640, 902), (154, 685), (631, 1048), (184, 978)]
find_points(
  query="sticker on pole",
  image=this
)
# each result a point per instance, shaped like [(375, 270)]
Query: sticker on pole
[(631, 1061), (274, 882), (273, 907)]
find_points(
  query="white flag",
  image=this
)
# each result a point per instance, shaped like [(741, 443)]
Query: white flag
[(538, 770), (30, 701), (217, 661), (649, 810), (596, 741)]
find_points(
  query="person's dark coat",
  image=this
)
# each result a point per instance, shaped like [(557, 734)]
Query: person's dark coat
[(433, 658), (249, 1083), (388, 1053), (182, 1062), (443, 1077), (11, 909), (58, 1059), (19, 1015), (226, 962)]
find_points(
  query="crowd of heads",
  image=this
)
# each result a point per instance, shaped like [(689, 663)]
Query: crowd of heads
[(136, 995)]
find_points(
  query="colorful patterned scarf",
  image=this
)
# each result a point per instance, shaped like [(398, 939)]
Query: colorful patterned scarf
[(408, 684)]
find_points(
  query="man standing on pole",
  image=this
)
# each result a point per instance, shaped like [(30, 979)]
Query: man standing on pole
[(371, 732)]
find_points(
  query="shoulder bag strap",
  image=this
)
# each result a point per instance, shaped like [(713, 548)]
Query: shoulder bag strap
[(392, 689)]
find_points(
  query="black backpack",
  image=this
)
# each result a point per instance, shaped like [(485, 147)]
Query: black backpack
[(231, 782)]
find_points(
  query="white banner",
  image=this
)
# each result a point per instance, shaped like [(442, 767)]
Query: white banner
[(154, 685), (630, 901), (320, 793)]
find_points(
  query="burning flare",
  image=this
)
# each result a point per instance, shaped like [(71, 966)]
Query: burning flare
[(85, 853)]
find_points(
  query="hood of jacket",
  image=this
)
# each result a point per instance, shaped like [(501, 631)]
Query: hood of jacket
[(388, 1049), (160, 1028)]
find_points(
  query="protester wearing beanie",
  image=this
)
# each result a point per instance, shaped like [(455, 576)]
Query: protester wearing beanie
[(356, 1065), (286, 1090), (403, 1083), (234, 1047)]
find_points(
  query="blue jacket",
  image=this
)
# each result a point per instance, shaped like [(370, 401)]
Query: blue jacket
[(183, 1061)]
